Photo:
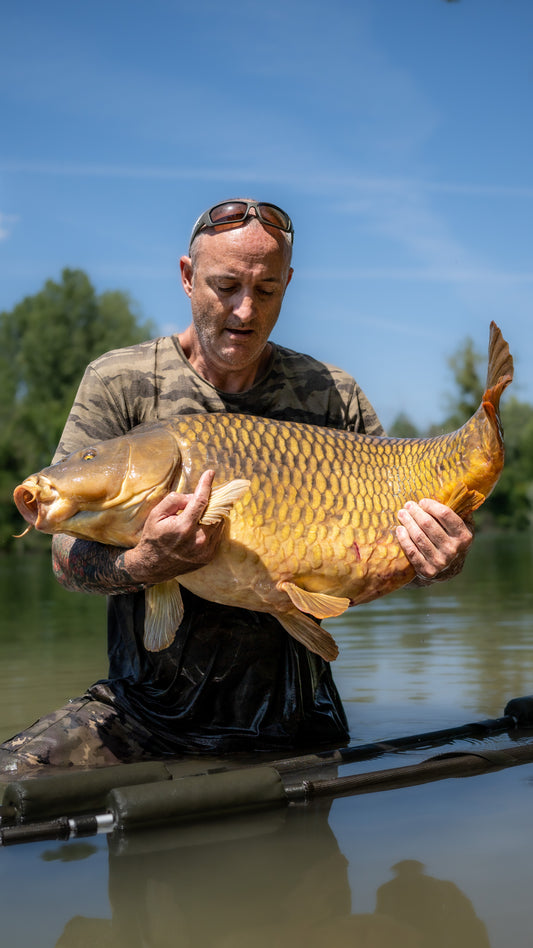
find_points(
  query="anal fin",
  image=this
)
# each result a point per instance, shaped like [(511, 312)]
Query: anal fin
[(320, 605), (313, 636), (163, 612)]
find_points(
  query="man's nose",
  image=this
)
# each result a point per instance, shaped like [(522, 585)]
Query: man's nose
[(244, 306)]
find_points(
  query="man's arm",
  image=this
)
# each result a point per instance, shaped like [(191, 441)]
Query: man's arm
[(172, 542)]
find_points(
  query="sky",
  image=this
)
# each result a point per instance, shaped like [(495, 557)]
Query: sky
[(396, 133)]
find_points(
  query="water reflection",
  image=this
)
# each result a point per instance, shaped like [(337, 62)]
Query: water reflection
[(278, 881), (436, 909), (72, 852)]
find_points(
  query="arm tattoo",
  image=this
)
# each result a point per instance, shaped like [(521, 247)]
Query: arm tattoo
[(86, 566)]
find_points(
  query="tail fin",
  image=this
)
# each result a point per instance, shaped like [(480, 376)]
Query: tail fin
[(500, 369), (482, 436)]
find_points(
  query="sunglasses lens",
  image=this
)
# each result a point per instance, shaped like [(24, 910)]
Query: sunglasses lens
[(228, 212), (274, 215)]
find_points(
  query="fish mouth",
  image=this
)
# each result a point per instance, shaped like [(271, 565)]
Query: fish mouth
[(26, 499), (35, 499)]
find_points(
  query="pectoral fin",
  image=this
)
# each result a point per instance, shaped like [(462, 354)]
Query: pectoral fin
[(463, 500), (304, 630), (222, 499), (163, 614), (316, 604)]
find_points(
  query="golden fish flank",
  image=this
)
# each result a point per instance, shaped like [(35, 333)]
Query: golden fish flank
[(310, 512)]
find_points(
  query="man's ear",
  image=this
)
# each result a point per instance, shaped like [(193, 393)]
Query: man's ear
[(289, 278), (186, 274)]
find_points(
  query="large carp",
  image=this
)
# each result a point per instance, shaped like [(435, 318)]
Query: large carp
[(310, 512)]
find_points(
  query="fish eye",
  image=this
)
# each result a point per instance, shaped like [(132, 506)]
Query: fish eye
[(89, 455)]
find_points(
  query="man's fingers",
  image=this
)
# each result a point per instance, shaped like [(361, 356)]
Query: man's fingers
[(458, 531), (451, 522), (199, 500), (171, 504), (424, 539), (190, 507), (422, 529)]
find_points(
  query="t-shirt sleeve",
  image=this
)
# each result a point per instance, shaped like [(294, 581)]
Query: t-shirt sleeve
[(361, 416), (358, 413), (96, 415)]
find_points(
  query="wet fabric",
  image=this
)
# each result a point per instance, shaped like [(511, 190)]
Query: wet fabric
[(89, 731), (231, 680)]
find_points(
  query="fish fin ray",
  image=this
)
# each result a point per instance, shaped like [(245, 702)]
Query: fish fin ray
[(222, 499), (313, 636), (320, 605), (500, 359), (463, 500), (163, 614), (500, 369)]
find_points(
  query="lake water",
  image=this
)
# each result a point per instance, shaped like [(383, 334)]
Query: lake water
[(440, 864)]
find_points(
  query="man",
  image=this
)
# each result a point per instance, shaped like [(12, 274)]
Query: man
[(232, 679)]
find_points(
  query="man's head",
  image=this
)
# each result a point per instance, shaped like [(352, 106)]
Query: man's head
[(236, 277)]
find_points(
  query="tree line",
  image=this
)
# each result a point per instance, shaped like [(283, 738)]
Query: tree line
[(47, 340)]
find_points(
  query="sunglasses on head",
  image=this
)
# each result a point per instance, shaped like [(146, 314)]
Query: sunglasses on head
[(236, 212)]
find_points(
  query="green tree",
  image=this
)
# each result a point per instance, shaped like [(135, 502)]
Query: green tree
[(403, 427), (464, 364), (511, 504), (46, 342)]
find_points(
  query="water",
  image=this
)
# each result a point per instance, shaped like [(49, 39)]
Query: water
[(440, 864)]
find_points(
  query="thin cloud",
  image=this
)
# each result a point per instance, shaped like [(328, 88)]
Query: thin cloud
[(84, 170), (334, 182), (424, 274), (6, 224)]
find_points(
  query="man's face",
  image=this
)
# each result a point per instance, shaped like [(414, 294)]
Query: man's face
[(236, 288)]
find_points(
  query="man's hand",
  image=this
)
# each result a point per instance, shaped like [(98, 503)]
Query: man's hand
[(173, 540), (434, 539)]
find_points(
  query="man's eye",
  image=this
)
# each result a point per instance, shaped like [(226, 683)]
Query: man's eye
[(226, 289)]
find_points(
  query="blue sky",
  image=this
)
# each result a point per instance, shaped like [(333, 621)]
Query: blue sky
[(396, 133)]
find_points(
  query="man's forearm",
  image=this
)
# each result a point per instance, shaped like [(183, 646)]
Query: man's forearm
[(86, 566)]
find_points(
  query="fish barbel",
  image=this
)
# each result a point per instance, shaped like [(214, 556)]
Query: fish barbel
[(311, 512)]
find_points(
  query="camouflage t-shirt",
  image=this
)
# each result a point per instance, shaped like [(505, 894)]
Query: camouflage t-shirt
[(232, 679)]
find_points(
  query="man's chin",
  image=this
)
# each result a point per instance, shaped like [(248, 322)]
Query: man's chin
[(241, 350)]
